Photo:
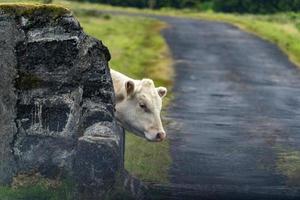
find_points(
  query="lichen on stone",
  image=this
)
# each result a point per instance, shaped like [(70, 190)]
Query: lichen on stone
[(24, 9)]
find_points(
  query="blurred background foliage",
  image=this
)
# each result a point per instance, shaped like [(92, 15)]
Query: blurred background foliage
[(239, 6)]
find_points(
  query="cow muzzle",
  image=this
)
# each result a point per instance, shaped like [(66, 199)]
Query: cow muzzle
[(160, 136)]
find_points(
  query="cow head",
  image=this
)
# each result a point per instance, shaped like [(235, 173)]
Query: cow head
[(139, 110)]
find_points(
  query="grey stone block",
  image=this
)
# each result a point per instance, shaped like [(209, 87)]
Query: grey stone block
[(56, 102)]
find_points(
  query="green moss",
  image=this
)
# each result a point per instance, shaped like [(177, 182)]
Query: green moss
[(22, 9)]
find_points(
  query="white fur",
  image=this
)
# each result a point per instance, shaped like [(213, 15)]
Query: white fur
[(138, 106)]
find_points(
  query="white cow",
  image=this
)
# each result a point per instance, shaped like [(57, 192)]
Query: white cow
[(138, 106)]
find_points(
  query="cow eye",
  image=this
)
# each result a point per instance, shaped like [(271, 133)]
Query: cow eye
[(143, 106)]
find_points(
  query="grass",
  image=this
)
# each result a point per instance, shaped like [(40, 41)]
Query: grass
[(37, 188)]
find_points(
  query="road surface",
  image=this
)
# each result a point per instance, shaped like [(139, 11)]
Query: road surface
[(234, 125)]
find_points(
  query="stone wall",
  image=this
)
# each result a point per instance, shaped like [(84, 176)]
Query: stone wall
[(56, 101)]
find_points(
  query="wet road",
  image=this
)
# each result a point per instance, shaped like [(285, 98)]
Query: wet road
[(235, 119)]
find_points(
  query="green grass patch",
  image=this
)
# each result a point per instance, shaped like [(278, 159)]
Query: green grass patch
[(37, 188), (148, 161)]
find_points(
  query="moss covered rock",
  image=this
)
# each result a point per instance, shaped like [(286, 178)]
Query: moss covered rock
[(24, 9)]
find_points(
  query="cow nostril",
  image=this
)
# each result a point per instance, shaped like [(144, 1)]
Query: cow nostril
[(159, 136)]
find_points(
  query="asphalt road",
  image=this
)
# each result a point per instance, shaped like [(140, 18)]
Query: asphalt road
[(235, 119)]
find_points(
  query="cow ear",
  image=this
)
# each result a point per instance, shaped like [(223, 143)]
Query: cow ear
[(129, 86), (162, 91)]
